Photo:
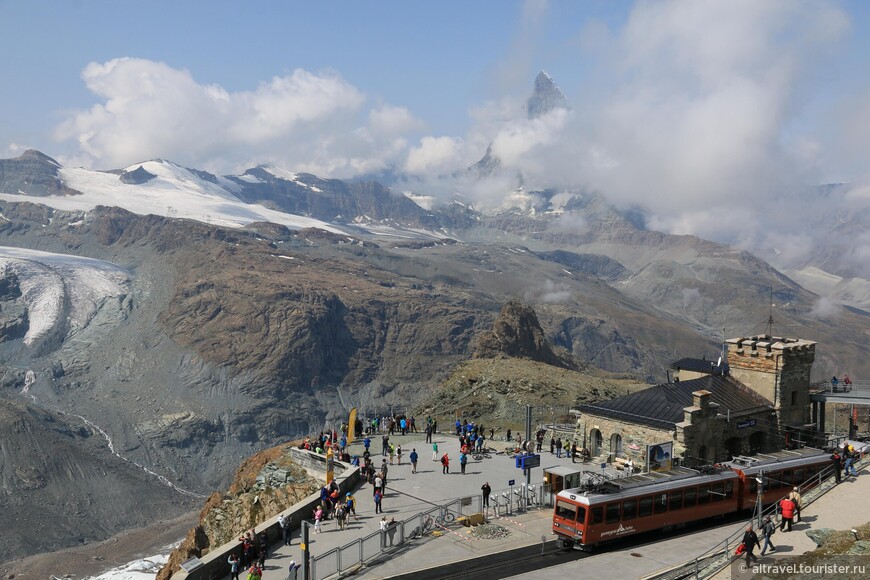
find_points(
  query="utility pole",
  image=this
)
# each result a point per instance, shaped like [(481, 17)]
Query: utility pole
[(759, 502), (306, 553)]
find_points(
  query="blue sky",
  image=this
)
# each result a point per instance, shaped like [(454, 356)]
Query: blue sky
[(686, 109)]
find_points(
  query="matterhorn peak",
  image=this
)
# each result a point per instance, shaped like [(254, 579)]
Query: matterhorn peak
[(546, 97)]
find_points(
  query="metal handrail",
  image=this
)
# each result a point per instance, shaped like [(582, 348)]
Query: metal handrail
[(711, 562)]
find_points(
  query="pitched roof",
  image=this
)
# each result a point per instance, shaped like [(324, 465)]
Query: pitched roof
[(697, 365), (661, 406)]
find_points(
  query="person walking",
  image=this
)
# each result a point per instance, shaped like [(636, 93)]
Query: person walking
[(318, 518), (786, 509), (463, 460), (445, 464), (284, 524), (767, 530), (428, 433), (486, 489), (350, 505), (573, 452), (795, 496), (378, 497), (750, 541), (850, 456), (435, 452), (414, 457), (399, 453)]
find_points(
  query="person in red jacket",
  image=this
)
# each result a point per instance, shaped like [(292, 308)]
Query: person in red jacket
[(786, 509)]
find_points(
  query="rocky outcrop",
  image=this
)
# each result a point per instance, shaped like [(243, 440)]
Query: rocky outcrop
[(264, 485), (32, 173), (517, 333), (545, 97), (136, 177)]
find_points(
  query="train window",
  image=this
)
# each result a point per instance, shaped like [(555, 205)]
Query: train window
[(660, 505), (690, 497), (703, 494), (787, 478), (729, 488), (774, 480), (612, 513), (753, 485), (675, 500), (718, 492), (566, 510), (798, 476), (629, 509), (581, 514), (644, 507), (597, 515)]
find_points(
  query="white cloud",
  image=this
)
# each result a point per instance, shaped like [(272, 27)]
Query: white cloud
[(434, 155), (825, 309), (307, 121)]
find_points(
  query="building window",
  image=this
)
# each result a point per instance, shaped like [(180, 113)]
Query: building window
[(794, 398)]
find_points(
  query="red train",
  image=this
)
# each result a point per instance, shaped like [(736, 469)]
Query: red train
[(585, 517)]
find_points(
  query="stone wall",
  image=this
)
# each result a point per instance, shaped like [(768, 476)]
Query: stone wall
[(634, 438)]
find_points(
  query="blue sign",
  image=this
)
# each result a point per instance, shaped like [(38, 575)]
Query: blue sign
[(511, 482), (745, 424), (528, 461)]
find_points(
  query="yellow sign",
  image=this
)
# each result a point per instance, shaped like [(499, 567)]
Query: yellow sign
[(330, 465), (303, 546), (351, 426)]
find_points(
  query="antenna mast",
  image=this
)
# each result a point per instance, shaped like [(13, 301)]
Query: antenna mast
[(770, 316)]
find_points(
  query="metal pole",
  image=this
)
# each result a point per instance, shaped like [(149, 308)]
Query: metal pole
[(306, 553), (528, 438)]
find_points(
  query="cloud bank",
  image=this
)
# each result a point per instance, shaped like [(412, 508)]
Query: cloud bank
[(690, 112)]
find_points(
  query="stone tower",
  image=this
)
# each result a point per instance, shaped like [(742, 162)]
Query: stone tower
[(778, 369)]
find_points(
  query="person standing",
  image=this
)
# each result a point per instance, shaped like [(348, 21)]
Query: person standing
[(837, 465), (414, 457), (391, 529), (786, 509), (445, 464), (767, 530), (378, 497), (382, 526), (385, 442), (435, 452), (750, 541), (463, 460), (559, 447), (552, 445), (235, 566), (508, 434), (573, 452), (399, 453), (795, 496), (379, 484), (428, 433), (486, 489)]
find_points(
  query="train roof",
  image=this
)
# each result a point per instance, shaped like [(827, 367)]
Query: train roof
[(777, 459), (646, 483)]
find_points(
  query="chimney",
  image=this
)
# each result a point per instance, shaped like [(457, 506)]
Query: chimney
[(701, 399)]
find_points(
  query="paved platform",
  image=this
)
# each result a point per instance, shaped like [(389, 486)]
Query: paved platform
[(408, 494)]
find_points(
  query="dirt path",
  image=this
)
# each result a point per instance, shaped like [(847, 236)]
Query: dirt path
[(93, 559)]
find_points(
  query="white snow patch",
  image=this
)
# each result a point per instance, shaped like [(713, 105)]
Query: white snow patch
[(280, 173), (176, 193), (250, 178), (48, 281), (142, 569), (426, 202)]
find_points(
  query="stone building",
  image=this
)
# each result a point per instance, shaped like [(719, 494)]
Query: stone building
[(747, 404)]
